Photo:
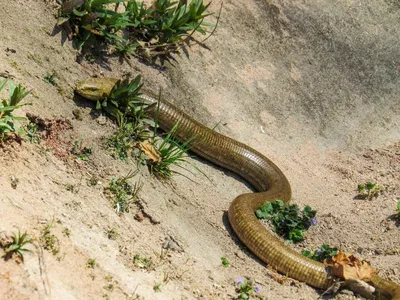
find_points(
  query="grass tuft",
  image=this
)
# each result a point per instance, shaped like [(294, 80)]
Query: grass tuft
[(80, 152), (122, 193), (48, 240), (134, 28), (18, 245), (161, 154), (369, 190)]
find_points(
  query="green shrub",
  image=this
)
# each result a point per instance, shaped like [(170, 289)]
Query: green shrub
[(133, 28), (325, 252), (287, 220)]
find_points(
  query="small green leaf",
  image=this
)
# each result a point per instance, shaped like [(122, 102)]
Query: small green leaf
[(62, 20), (2, 84), (79, 13), (307, 253), (370, 185)]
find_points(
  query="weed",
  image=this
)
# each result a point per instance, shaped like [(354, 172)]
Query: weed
[(124, 101), (32, 133), (18, 245), (66, 232), (162, 154), (49, 241), (124, 193), (246, 288), (286, 219), (148, 32), (369, 190), (7, 119), (112, 233), (224, 261), (125, 138), (393, 251), (50, 78), (71, 188), (157, 286), (82, 153), (325, 252), (93, 181), (143, 262), (91, 263), (129, 110), (109, 287)]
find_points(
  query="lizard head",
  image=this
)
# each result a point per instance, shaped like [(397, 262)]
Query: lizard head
[(95, 88)]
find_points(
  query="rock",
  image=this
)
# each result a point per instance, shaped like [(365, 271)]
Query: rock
[(77, 114), (171, 243), (139, 216), (102, 120), (6, 239)]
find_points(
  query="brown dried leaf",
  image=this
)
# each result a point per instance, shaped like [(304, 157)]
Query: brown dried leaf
[(151, 152), (350, 267)]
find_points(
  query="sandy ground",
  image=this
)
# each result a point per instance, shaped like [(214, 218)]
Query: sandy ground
[(313, 85)]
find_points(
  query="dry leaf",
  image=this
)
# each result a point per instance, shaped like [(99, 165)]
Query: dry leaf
[(151, 152), (350, 267)]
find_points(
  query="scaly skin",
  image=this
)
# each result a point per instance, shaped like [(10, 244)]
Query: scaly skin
[(259, 171)]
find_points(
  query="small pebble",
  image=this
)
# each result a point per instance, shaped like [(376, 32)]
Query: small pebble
[(102, 120)]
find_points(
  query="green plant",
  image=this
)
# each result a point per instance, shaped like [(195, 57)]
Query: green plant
[(157, 286), (91, 263), (80, 152), (7, 119), (122, 142), (73, 188), (161, 154), (224, 261), (246, 288), (369, 190), (48, 240), (129, 110), (123, 193), (18, 245), (66, 232), (325, 252), (143, 262), (50, 78), (109, 287), (32, 133), (124, 100), (287, 220), (148, 32), (93, 180), (112, 233)]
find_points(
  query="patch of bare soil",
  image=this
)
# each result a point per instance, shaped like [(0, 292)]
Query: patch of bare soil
[(312, 85)]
